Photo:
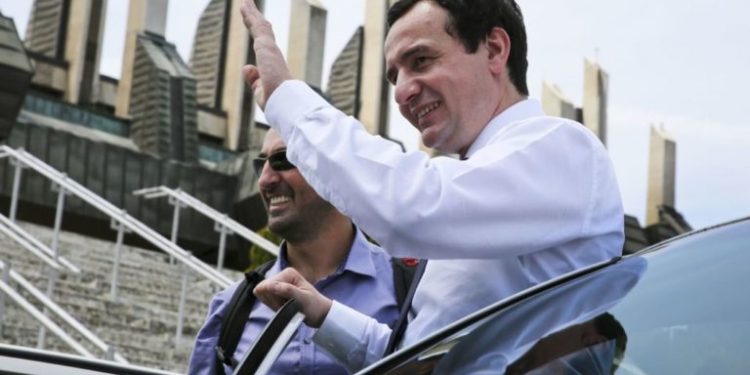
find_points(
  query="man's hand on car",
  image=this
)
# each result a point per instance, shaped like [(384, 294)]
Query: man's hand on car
[(289, 283)]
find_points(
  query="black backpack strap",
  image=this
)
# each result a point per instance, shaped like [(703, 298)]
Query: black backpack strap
[(400, 327), (236, 315)]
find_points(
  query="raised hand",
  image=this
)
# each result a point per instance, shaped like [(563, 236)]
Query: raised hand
[(289, 283), (271, 69)]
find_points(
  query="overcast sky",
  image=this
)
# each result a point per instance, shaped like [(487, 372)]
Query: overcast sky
[(681, 63)]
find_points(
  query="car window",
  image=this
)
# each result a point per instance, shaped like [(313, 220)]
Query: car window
[(679, 310), (690, 315)]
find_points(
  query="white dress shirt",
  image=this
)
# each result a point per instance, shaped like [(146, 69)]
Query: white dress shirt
[(536, 198)]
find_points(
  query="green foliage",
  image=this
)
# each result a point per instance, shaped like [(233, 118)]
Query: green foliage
[(259, 256)]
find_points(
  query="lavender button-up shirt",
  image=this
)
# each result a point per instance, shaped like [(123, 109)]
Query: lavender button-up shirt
[(363, 282)]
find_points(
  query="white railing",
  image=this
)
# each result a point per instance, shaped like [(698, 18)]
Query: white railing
[(50, 262), (121, 221), (9, 274), (36, 247), (222, 223), (50, 258)]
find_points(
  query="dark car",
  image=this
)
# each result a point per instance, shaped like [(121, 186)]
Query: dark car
[(679, 307)]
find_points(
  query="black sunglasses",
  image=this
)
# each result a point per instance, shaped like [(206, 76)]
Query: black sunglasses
[(277, 161)]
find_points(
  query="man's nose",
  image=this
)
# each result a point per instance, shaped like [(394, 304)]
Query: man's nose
[(268, 177), (406, 90)]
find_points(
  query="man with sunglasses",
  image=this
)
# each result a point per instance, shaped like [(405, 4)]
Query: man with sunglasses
[(327, 250)]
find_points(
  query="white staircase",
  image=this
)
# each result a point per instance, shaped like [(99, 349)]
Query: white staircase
[(140, 324)]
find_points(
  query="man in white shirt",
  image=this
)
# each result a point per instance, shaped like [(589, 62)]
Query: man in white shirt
[(533, 197)]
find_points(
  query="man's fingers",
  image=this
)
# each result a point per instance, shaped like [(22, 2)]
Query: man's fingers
[(271, 294), (278, 289), (287, 284), (271, 68), (254, 20), (252, 76), (250, 13)]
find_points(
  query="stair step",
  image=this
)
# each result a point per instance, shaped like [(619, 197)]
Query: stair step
[(140, 324)]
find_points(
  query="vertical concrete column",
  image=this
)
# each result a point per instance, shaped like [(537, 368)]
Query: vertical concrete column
[(143, 15), (374, 87), (554, 102), (75, 46), (595, 88), (661, 173), (83, 48), (307, 33), (236, 97)]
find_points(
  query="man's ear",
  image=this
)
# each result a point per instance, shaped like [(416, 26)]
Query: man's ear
[(498, 47)]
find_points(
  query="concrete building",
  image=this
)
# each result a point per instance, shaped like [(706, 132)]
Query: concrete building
[(206, 58), (143, 16), (162, 103), (374, 109), (595, 93), (64, 40), (554, 103), (661, 173), (307, 32), (16, 70), (663, 220), (225, 105), (344, 80), (109, 154), (360, 68)]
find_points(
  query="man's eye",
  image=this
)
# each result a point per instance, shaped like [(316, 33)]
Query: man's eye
[(421, 61)]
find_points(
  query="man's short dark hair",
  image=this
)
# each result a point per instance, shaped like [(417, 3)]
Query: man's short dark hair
[(472, 20)]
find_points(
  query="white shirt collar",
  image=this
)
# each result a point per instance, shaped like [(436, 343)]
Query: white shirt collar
[(522, 110)]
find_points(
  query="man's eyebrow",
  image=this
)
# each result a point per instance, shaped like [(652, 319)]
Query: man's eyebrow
[(411, 51), (262, 155)]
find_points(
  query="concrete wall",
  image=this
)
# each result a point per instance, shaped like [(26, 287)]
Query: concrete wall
[(114, 172)]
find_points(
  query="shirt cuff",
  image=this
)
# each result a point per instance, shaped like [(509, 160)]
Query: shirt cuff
[(282, 115), (342, 335)]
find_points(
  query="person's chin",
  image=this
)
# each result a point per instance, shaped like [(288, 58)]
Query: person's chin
[(277, 226), (431, 139), (429, 136)]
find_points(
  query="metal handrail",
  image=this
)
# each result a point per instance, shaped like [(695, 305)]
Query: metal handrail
[(223, 224), (127, 221), (29, 247), (35, 246), (60, 312), (45, 321), (222, 219)]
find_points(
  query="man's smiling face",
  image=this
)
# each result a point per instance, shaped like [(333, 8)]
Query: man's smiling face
[(294, 208), (444, 91)]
